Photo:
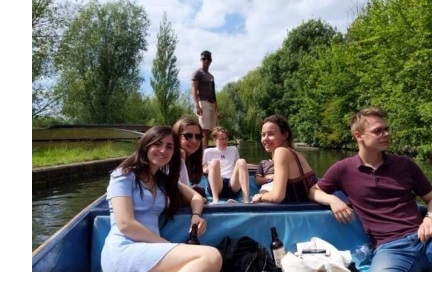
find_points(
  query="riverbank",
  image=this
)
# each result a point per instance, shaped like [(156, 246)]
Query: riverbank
[(47, 177)]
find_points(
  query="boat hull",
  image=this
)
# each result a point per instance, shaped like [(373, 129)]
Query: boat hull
[(77, 246)]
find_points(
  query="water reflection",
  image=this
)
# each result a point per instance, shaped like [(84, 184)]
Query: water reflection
[(55, 207)]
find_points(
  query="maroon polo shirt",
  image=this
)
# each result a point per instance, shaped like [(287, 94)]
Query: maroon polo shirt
[(385, 198)]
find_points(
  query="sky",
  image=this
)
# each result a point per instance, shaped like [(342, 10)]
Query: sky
[(239, 33)]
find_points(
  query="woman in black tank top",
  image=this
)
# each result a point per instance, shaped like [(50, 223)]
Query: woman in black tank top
[(293, 176)]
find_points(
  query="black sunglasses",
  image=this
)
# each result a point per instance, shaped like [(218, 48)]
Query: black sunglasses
[(188, 136), (206, 59)]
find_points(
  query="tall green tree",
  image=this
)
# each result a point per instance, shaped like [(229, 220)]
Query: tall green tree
[(99, 59), (48, 18), (165, 83)]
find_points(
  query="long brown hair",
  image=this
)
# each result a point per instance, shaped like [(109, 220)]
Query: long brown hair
[(284, 127), (167, 177), (194, 161)]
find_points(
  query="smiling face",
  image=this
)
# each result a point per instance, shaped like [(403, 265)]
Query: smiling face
[(271, 137), (160, 153), (190, 139)]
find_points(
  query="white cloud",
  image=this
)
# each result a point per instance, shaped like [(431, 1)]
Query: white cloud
[(198, 26)]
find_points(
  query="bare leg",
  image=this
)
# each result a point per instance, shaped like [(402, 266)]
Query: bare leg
[(240, 179), (190, 258), (215, 179)]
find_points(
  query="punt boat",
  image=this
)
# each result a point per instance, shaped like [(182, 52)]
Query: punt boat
[(77, 246)]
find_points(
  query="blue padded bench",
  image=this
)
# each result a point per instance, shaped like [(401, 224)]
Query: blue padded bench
[(295, 223), (253, 189)]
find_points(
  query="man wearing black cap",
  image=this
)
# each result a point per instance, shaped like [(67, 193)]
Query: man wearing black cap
[(204, 95)]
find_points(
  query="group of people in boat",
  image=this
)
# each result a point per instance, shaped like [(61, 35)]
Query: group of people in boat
[(161, 173)]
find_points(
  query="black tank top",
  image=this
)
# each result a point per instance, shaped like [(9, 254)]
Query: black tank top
[(298, 188)]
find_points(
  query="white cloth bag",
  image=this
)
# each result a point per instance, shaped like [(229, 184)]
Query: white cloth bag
[(333, 261)]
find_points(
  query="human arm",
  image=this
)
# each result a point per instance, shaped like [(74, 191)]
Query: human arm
[(260, 176), (425, 229), (205, 162), (205, 169), (342, 212), (128, 225), (194, 89), (281, 159), (263, 179), (197, 204), (260, 180)]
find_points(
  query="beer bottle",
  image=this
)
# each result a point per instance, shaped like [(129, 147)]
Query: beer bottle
[(277, 248), (193, 237)]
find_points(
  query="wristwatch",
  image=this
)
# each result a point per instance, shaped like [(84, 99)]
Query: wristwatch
[(429, 214)]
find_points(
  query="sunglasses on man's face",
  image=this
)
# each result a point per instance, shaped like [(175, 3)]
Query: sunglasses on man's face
[(188, 136), (206, 59)]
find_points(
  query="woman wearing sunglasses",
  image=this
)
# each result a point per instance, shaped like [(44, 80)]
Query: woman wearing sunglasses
[(190, 134)]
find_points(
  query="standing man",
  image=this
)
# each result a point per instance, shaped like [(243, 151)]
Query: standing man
[(382, 189), (204, 96)]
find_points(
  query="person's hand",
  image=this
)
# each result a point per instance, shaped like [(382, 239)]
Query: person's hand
[(342, 212), (201, 222), (425, 230), (198, 110), (256, 198), (205, 169)]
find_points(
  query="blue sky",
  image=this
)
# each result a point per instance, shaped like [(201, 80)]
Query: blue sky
[(239, 33)]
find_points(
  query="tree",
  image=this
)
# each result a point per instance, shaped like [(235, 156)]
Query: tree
[(165, 83), (99, 60), (48, 18)]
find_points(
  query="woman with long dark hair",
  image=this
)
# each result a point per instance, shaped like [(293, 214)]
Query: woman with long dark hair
[(142, 187), (293, 176)]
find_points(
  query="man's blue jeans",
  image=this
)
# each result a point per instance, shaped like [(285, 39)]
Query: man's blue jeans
[(405, 254)]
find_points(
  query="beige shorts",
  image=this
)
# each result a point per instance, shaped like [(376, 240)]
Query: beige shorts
[(208, 119)]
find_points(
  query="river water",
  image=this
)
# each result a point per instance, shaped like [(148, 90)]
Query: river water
[(53, 208)]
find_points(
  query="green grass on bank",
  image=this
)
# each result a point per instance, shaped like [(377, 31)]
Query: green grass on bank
[(59, 153), (46, 154)]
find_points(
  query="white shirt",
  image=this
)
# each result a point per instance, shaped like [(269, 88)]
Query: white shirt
[(184, 176), (228, 159)]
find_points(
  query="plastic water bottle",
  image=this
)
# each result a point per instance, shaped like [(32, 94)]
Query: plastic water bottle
[(362, 255)]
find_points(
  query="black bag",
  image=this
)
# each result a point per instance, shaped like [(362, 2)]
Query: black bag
[(245, 255)]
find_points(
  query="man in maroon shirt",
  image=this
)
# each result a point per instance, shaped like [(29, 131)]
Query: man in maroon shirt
[(382, 190)]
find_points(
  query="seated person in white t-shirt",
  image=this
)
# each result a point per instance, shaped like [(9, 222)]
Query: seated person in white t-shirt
[(264, 175), (227, 173)]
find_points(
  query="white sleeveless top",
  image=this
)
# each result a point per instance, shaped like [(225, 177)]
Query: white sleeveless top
[(184, 176)]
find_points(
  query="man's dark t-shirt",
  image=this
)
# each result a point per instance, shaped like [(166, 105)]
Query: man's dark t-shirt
[(206, 85)]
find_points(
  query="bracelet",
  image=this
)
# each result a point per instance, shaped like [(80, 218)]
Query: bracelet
[(195, 213)]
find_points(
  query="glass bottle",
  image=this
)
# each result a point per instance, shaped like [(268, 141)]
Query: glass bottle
[(193, 237), (277, 248)]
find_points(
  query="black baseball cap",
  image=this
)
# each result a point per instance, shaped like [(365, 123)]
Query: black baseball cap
[(206, 54)]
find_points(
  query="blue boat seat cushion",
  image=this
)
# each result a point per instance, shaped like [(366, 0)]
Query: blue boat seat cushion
[(292, 227)]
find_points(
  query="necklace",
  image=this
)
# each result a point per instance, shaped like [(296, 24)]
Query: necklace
[(151, 188), (149, 184)]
